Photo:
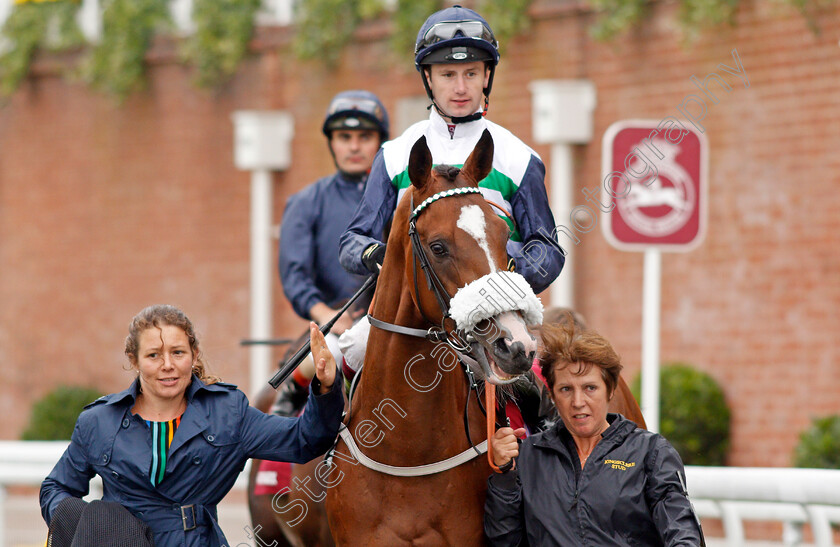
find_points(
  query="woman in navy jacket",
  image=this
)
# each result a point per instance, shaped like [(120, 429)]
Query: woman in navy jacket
[(595, 478), (172, 445)]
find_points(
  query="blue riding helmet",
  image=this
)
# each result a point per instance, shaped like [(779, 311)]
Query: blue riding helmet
[(356, 109), (455, 35)]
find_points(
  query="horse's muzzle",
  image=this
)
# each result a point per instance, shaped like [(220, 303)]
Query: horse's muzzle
[(506, 345)]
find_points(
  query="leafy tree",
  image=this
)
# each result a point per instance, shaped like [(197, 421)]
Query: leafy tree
[(819, 445), (693, 416), (54, 416), (223, 29)]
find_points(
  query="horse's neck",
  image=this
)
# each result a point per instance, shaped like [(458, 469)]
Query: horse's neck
[(389, 355), (415, 375)]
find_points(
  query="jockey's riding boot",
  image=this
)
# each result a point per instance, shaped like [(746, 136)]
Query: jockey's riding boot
[(534, 401), (291, 399)]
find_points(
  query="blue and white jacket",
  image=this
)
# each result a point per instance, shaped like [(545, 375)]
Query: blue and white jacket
[(515, 184)]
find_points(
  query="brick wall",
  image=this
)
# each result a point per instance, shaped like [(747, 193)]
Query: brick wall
[(107, 208)]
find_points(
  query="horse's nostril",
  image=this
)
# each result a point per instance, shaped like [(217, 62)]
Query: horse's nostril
[(501, 347)]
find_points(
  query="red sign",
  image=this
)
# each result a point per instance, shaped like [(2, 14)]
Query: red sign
[(654, 191)]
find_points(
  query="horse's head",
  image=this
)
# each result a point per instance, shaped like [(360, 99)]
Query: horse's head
[(458, 260)]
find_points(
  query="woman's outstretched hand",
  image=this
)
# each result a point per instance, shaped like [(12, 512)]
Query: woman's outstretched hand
[(323, 358)]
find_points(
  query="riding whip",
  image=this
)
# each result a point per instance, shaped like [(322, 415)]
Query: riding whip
[(294, 361)]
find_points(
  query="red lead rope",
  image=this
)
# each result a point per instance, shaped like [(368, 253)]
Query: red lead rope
[(490, 404)]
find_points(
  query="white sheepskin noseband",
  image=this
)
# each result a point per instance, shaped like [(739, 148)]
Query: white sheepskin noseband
[(491, 295)]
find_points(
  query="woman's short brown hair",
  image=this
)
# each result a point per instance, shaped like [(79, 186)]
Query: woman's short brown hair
[(564, 344)]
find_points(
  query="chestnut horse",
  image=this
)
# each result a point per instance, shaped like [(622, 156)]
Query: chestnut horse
[(413, 405)]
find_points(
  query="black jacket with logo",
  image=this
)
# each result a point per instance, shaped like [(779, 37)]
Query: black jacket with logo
[(630, 492)]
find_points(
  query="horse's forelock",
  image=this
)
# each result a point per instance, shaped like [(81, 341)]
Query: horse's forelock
[(450, 172)]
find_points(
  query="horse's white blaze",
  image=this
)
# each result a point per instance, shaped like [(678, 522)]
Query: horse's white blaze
[(472, 222), (516, 330)]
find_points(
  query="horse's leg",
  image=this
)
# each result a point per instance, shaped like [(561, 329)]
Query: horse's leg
[(264, 519), (309, 525), (625, 404)]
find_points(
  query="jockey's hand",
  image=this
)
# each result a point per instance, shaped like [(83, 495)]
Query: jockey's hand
[(344, 322), (373, 257), (321, 313), (323, 358), (505, 446)]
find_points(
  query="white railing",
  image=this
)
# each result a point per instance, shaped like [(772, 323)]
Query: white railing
[(793, 497), (27, 463)]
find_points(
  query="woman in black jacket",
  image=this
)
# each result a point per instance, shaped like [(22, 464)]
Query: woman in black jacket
[(594, 479)]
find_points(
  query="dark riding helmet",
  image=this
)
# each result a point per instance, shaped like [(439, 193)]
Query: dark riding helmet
[(455, 35), (356, 109)]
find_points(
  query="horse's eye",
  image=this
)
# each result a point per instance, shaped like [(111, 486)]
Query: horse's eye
[(439, 249)]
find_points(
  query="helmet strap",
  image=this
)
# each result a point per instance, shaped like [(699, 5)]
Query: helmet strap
[(475, 116), (354, 177), (426, 85), (329, 147), (490, 82)]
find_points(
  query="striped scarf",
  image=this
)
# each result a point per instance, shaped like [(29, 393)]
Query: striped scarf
[(162, 433)]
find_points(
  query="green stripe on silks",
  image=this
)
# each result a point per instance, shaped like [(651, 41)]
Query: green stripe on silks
[(153, 471), (494, 181), (163, 437)]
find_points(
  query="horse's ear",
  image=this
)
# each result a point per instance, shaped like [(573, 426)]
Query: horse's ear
[(478, 165), (419, 163)]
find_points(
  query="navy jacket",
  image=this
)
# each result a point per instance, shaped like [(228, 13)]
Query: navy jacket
[(218, 432), (313, 222), (630, 492), (515, 185)]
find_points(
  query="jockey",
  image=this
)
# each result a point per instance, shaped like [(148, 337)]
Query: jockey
[(456, 55), (356, 125)]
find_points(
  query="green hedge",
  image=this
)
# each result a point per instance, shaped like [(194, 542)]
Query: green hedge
[(693, 414), (819, 445), (54, 416)]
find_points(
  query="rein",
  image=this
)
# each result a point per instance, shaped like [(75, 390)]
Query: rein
[(490, 398)]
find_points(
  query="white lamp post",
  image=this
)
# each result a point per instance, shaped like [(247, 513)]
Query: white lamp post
[(562, 116), (262, 144)]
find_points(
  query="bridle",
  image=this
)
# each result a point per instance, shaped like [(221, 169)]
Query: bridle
[(433, 282), (456, 341), (461, 341)]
